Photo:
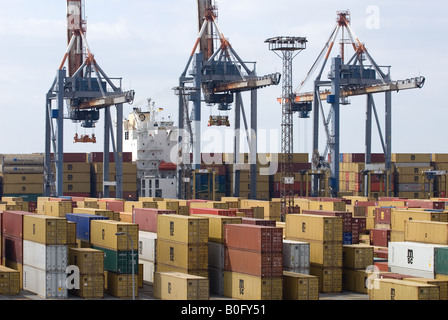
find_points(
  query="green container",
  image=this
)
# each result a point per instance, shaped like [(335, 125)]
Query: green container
[(441, 263), (119, 261)]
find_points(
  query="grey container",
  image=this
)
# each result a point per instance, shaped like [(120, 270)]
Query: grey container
[(296, 256), (48, 285), (216, 255)]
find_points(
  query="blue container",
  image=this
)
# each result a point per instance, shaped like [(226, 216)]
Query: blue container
[(82, 221), (347, 238)]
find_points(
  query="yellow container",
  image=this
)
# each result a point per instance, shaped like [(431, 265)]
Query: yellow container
[(182, 255), (45, 229), (71, 232), (9, 281), (249, 287), (78, 177), (399, 216), (129, 205), (357, 256), (327, 205), (169, 268), (426, 231), (41, 204), (168, 205), (298, 286), (186, 229), (217, 224), (120, 285), (355, 280), (411, 170), (392, 289), (76, 167), (87, 204), (411, 157), (89, 261), (314, 227), (103, 234), (210, 205), (272, 209), (10, 207), (36, 188), (330, 279), (442, 284), (126, 217), (180, 286), (90, 287), (98, 212), (32, 178), (57, 208)]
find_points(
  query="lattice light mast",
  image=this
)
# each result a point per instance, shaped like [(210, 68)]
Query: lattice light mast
[(287, 48)]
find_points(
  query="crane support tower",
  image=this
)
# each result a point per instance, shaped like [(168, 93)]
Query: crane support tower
[(218, 77), (84, 91), (287, 48), (349, 77)]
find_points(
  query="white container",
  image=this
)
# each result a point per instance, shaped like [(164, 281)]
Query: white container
[(413, 258), (50, 258), (148, 270), (216, 255), (49, 285), (147, 245), (296, 256)]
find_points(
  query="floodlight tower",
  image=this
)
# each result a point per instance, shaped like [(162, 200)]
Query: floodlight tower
[(287, 48)]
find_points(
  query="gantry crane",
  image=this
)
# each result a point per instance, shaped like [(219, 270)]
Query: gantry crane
[(219, 77), (346, 79), (86, 90)]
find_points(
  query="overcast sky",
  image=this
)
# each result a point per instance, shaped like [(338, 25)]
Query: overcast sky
[(147, 43)]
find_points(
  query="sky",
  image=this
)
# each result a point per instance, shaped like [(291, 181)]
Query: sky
[(147, 43)]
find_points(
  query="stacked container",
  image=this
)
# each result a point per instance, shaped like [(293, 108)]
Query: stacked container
[(12, 240), (9, 281), (112, 215), (299, 286), (272, 209), (120, 254), (182, 244), (324, 233), (180, 286), (147, 243), (296, 256), (216, 255), (146, 218), (346, 222), (91, 272), (253, 252), (356, 259), (409, 178), (45, 256)]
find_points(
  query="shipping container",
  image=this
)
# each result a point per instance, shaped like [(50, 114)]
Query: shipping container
[(182, 255), (122, 262), (89, 261), (380, 237), (45, 229), (356, 280), (146, 218), (147, 243), (426, 232), (187, 229), (9, 281), (249, 287), (313, 227), (12, 222), (12, 248), (254, 237), (357, 256), (297, 286), (263, 264), (83, 220), (296, 256), (330, 279), (442, 284), (90, 287), (258, 221), (399, 217), (346, 217), (216, 255), (120, 285), (392, 289), (48, 285), (413, 258), (170, 268), (112, 215), (51, 258), (213, 211), (441, 264), (180, 286), (148, 270), (103, 233)]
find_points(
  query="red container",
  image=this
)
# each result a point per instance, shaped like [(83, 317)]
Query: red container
[(382, 215), (377, 158), (219, 212), (346, 217), (382, 266), (12, 223), (392, 275), (114, 205), (195, 200), (253, 237), (12, 248), (263, 264), (359, 224), (146, 218), (98, 157), (381, 253), (380, 237), (259, 222), (426, 204)]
